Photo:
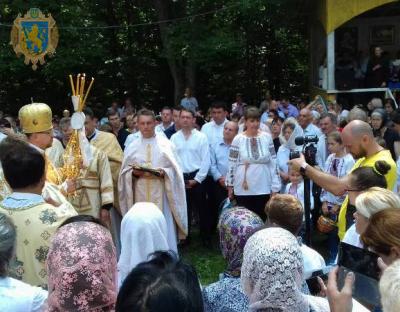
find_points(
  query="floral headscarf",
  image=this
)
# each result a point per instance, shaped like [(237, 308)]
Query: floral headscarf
[(272, 272), (81, 264), (235, 225)]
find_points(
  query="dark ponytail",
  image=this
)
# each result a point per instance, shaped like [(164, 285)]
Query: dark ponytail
[(363, 178), (382, 167)]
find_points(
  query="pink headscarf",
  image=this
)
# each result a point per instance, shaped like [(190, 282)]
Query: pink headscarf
[(81, 265)]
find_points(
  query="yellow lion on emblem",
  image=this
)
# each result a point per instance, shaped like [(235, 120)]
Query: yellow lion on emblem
[(33, 37)]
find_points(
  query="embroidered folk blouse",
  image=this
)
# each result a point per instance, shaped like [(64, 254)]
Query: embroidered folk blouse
[(252, 163)]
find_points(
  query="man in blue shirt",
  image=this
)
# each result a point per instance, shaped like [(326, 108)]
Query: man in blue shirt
[(189, 101), (219, 160), (288, 109)]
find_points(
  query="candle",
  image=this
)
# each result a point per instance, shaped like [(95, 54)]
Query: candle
[(77, 84), (87, 92), (82, 86), (72, 84)]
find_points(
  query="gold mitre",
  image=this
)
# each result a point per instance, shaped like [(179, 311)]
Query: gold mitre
[(35, 117)]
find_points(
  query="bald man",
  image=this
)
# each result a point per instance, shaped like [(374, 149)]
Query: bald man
[(305, 121), (359, 141), (219, 152)]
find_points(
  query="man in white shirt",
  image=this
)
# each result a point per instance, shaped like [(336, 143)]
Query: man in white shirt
[(194, 158), (328, 124), (305, 121), (220, 161), (214, 132), (215, 128), (166, 119)]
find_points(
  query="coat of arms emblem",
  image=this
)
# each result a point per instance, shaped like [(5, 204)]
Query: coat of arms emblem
[(34, 36)]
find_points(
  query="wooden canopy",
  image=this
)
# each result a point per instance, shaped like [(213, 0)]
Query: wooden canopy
[(334, 13)]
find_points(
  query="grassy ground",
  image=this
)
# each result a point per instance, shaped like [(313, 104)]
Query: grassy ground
[(208, 260), (209, 263)]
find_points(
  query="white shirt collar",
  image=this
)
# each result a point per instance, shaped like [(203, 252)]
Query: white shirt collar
[(191, 132), (220, 125), (31, 196)]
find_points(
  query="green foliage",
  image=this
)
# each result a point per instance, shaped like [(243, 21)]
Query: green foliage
[(250, 46)]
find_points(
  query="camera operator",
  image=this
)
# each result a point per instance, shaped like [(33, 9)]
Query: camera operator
[(359, 141)]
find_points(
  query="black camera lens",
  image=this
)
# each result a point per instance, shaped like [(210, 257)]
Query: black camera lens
[(294, 155)]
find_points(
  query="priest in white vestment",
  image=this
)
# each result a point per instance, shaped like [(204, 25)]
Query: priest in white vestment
[(166, 191), (94, 189)]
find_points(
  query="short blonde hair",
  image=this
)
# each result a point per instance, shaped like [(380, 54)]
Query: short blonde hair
[(389, 287), (376, 199)]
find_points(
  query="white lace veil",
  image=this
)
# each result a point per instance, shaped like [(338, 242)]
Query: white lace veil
[(297, 132), (272, 272)]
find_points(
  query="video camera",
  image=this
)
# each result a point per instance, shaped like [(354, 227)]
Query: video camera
[(305, 140), (308, 154)]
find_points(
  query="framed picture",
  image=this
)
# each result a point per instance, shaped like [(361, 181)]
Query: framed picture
[(381, 35)]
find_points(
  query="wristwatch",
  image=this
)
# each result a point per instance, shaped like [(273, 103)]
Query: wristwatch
[(303, 168)]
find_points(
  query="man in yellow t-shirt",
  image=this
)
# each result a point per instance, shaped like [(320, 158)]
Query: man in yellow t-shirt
[(359, 141)]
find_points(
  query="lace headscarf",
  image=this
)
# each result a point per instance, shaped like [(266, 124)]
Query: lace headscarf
[(81, 264), (272, 272), (235, 225), (143, 231), (381, 113), (297, 132)]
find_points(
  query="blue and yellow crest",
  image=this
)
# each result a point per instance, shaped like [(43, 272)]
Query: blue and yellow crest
[(34, 36)]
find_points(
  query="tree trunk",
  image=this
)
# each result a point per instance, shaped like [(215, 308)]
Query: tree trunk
[(132, 83), (163, 14), (190, 73), (112, 21)]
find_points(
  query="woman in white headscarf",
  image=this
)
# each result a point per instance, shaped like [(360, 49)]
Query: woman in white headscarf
[(290, 130), (143, 231), (272, 274)]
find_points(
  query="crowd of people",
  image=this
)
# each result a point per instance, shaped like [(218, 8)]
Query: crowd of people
[(109, 238), (357, 69)]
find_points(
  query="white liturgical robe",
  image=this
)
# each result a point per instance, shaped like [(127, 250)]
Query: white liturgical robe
[(167, 193)]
